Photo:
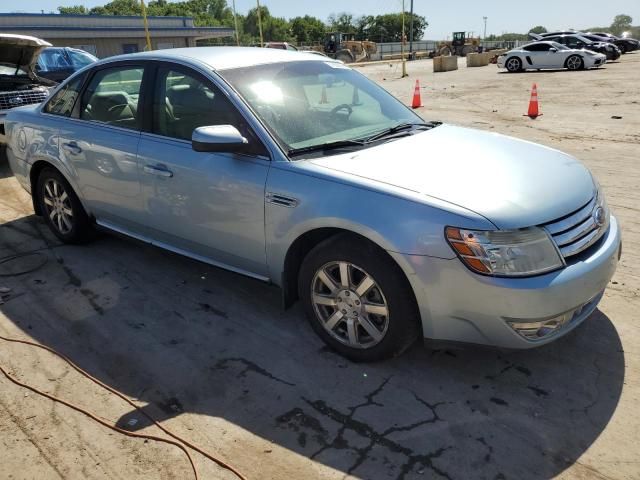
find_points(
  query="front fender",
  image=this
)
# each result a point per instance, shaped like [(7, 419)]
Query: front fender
[(396, 224)]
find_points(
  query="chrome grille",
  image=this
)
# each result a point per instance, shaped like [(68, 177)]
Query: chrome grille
[(22, 97), (578, 231)]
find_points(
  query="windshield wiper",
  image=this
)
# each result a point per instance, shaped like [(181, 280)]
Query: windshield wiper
[(360, 142), (400, 128), (326, 146)]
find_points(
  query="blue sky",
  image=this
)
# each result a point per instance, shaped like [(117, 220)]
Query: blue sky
[(443, 17)]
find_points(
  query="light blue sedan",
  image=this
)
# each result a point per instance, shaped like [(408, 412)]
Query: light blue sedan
[(297, 170)]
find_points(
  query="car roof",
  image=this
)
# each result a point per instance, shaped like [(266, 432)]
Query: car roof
[(538, 42), (223, 58)]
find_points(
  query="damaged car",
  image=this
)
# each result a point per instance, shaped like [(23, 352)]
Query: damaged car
[(19, 83)]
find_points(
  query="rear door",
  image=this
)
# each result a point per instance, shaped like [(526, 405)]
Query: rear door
[(100, 143)]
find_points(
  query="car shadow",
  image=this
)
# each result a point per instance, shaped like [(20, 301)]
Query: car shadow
[(185, 338)]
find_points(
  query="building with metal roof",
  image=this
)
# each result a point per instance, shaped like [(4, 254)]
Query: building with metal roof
[(107, 35)]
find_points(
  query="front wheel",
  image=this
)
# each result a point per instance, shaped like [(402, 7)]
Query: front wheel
[(514, 64), (574, 62), (61, 208), (357, 299)]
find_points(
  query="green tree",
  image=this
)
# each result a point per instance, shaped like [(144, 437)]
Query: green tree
[(75, 10), (307, 29), (538, 29), (118, 7), (388, 27), (342, 22), (274, 29), (621, 23)]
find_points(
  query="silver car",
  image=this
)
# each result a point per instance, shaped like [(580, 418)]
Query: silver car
[(297, 170)]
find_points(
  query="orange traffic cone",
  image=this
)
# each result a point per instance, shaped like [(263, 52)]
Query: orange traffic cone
[(416, 102), (323, 97), (533, 103)]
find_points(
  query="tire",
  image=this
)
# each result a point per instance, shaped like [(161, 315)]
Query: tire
[(623, 49), (513, 64), (344, 57), (382, 317), (61, 209), (467, 49), (574, 62)]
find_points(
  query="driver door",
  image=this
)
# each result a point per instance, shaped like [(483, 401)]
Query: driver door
[(206, 205)]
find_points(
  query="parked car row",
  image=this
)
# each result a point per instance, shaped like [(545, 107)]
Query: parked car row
[(569, 49), (30, 67)]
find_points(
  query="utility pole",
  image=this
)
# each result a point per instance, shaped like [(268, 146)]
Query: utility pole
[(146, 25), (235, 21), (260, 24), (411, 31), (404, 63), (484, 37)]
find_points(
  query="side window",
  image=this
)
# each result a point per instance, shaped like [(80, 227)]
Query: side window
[(543, 47), (64, 99), (183, 102), (112, 97)]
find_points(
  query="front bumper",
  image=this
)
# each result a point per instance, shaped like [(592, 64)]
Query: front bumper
[(459, 305)]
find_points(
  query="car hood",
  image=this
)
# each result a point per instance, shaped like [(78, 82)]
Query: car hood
[(513, 183), (21, 50)]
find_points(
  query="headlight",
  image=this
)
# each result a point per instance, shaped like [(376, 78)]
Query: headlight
[(510, 253)]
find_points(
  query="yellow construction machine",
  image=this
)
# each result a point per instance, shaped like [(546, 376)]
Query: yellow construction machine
[(345, 47), (461, 45)]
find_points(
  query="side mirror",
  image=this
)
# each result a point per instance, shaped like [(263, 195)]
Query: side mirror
[(553, 49), (218, 138)]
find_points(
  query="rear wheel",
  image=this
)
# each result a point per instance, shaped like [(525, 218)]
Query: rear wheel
[(344, 57), (357, 299), (467, 49), (61, 208), (513, 64), (574, 62)]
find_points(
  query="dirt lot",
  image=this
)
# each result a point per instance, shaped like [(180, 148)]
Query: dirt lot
[(214, 357)]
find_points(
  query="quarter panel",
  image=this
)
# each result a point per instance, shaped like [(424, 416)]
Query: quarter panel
[(33, 137)]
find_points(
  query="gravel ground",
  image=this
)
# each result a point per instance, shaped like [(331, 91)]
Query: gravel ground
[(214, 357)]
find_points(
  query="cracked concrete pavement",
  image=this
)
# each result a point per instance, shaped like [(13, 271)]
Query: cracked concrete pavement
[(212, 355)]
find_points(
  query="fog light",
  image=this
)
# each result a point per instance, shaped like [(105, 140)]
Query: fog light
[(542, 328), (539, 329)]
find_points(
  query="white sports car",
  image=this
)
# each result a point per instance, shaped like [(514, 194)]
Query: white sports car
[(539, 55)]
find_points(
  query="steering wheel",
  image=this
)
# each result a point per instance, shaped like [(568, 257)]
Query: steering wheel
[(342, 106)]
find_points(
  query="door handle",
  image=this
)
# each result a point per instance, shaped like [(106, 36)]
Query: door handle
[(73, 147), (161, 171)]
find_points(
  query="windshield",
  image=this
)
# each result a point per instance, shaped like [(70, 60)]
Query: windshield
[(310, 103), (559, 46), (81, 58), (51, 59)]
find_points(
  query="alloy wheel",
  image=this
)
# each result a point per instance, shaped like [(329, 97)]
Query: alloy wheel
[(349, 304), (574, 63), (58, 205), (513, 65)]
